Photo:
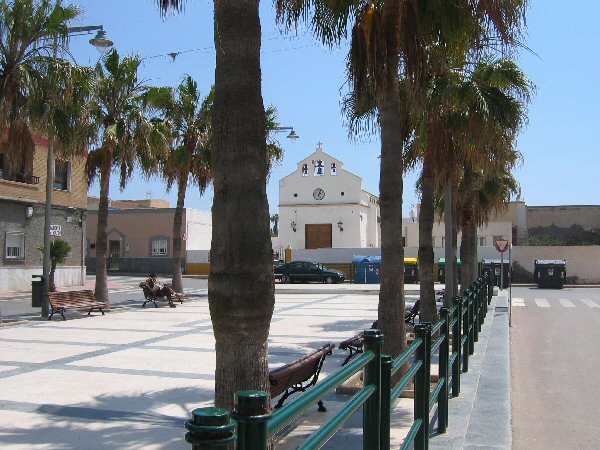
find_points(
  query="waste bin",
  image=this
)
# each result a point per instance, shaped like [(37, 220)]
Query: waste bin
[(411, 270), (442, 269), (550, 273), (366, 269), (37, 291), (494, 265)]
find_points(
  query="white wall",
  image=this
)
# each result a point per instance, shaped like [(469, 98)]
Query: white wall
[(19, 278), (198, 229), (582, 261), (197, 256), (500, 228)]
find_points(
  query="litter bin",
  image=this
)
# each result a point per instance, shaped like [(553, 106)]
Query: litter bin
[(366, 269), (411, 270), (442, 269), (37, 291), (494, 266), (550, 273)]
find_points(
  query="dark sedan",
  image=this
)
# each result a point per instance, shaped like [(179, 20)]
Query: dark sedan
[(306, 271)]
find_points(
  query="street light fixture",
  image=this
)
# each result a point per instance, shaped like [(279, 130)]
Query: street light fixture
[(102, 43), (293, 136)]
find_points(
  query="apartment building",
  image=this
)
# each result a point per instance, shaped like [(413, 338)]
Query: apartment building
[(22, 204)]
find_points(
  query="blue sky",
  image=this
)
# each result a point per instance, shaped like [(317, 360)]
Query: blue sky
[(305, 81)]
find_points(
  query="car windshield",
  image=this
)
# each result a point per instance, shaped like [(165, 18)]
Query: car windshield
[(323, 266)]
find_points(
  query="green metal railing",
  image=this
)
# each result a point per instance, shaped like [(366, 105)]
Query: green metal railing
[(251, 424)]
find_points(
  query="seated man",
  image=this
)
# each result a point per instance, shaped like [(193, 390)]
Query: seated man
[(159, 290)]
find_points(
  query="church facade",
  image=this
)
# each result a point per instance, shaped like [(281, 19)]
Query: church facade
[(322, 205)]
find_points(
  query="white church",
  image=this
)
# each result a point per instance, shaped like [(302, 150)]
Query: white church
[(322, 205)]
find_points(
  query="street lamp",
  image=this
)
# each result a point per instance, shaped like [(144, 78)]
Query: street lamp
[(102, 43), (293, 136)]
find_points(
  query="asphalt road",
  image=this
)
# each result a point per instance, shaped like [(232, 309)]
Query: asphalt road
[(555, 339)]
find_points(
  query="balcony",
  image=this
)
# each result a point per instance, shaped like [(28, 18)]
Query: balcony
[(19, 178)]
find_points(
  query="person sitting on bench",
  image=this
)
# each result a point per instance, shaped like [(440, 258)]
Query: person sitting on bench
[(160, 290)]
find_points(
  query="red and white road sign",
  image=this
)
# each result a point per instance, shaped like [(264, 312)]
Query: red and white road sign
[(502, 245)]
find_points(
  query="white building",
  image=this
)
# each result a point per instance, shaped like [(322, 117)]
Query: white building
[(322, 205)]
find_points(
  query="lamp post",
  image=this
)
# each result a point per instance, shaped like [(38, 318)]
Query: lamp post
[(292, 136), (102, 43)]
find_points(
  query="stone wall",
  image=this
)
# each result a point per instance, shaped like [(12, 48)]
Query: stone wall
[(16, 275)]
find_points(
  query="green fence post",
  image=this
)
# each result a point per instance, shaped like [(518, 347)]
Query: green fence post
[(372, 409), (210, 428), (422, 385), (456, 346), (444, 371), (466, 332), (482, 299), (472, 323), (386, 401), (251, 411), (490, 286), (480, 310)]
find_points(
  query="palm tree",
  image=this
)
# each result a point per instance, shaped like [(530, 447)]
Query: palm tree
[(127, 138), (275, 221), (241, 285), (31, 31), (59, 252), (387, 38), (190, 122)]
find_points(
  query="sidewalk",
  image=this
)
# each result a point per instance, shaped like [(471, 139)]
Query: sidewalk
[(129, 379), (478, 418)]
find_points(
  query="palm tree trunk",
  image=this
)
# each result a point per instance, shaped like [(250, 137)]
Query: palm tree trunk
[(454, 236), (177, 229), (468, 254), (52, 283), (241, 286), (428, 310), (101, 290), (391, 294)]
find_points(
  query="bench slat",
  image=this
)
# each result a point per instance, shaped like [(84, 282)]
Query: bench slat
[(74, 300)]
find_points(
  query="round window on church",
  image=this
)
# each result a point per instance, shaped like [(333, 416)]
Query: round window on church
[(342, 194), (295, 195)]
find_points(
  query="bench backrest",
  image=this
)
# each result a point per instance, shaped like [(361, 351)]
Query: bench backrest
[(146, 289), (74, 298), (298, 371), (354, 341)]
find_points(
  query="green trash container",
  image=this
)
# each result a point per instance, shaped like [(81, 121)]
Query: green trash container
[(550, 273), (37, 291)]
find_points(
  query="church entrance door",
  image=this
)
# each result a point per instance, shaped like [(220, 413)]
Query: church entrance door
[(318, 235)]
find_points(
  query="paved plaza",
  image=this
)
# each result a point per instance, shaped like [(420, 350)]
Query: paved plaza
[(130, 378)]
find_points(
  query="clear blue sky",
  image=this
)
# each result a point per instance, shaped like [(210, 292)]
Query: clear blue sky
[(305, 82)]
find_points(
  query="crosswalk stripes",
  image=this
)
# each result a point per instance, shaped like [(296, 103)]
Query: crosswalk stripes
[(590, 303), (519, 302), (566, 303), (563, 302)]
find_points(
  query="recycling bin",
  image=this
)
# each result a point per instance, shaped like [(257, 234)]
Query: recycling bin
[(494, 266), (37, 291), (411, 270), (366, 269), (550, 273), (442, 269)]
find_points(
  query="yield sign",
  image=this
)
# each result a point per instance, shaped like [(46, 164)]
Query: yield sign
[(501, 245)]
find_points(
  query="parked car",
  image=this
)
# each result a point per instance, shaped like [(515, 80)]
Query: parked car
[(306, 271)]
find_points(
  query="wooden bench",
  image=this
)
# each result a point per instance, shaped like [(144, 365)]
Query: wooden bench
[(298, 375), (75, 300), (150, 297), (355, 343)]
